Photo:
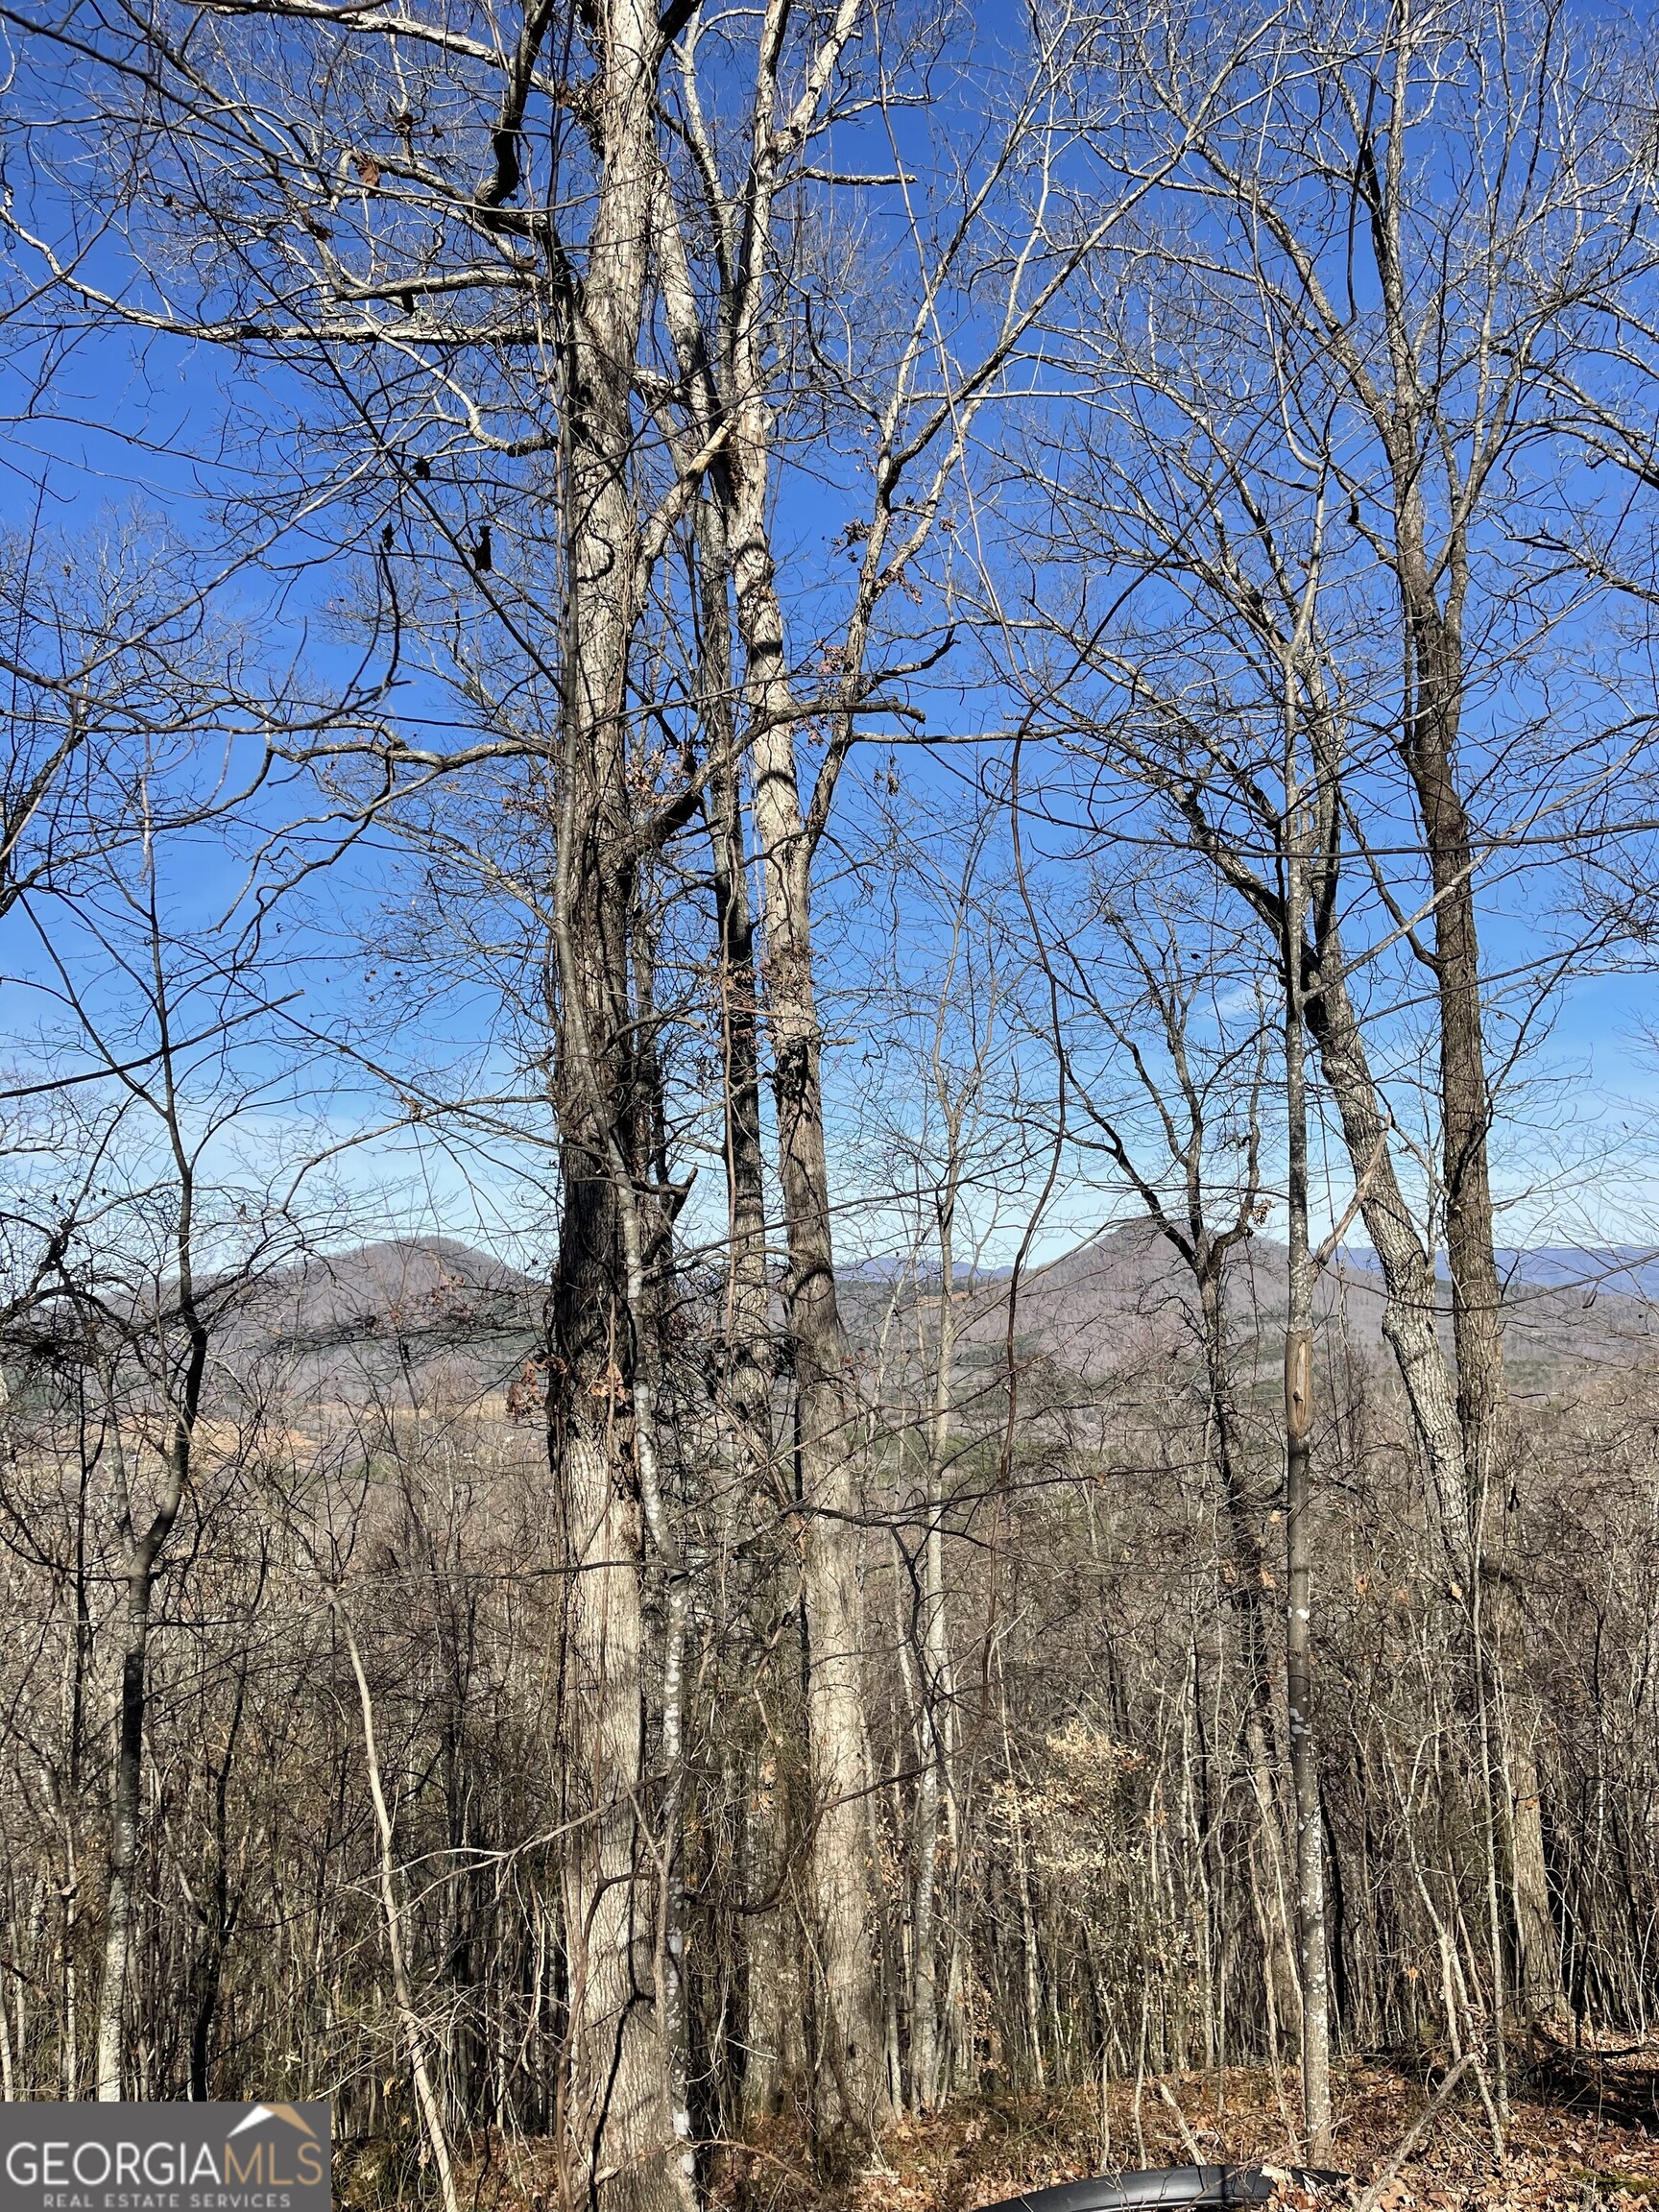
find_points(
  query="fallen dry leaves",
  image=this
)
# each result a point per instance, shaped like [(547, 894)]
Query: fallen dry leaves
[(1583, 2136), (1576, 2143)]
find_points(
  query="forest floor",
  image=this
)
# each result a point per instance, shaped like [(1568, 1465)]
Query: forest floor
[(1582, 2136), (1583, 2132)]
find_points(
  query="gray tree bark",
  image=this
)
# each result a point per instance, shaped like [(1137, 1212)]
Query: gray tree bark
[(1310, 1939), (624, 2115), (729, 371)]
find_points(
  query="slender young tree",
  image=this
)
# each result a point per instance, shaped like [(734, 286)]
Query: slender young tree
[(1312, 1948)]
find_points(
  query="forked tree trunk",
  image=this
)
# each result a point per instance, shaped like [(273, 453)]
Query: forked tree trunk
[(727, 373), (724, 368), (1408, 1323), (723, 363), (623, 2119)]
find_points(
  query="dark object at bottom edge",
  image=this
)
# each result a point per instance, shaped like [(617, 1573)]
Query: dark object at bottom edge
[(1175, 2186)]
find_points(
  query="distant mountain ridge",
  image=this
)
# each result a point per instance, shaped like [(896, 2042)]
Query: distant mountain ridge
[(378, 1316), (1632, 1271), (1126, 1293)]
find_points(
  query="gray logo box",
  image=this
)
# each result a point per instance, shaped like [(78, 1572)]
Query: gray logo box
[(164, 2158)]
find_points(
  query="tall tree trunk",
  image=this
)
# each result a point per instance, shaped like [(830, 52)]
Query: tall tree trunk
[(625, 2106), (1310, 1944), (771, 2035), (743, 1320), (1406, 1261), (828, 1435), (143, 1558), (124, 1828), (1410, 1325), (842, 1875), (1270, 1879), (1434, 684), (1434, 589), (726, 367), (624, 2115), (935, 1686), (219, 1912)]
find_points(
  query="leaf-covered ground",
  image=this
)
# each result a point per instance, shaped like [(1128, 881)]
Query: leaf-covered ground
[(1583, 2136), (1582, 2132)]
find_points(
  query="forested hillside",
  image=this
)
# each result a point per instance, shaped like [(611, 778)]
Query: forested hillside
[(828, 897)]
